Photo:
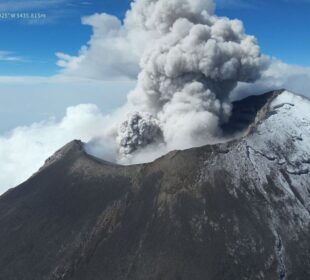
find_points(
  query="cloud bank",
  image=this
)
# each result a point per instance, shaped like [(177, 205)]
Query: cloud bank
[(278, 75), (24, 150)]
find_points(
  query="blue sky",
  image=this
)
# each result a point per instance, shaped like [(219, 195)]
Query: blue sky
[(282, 27)]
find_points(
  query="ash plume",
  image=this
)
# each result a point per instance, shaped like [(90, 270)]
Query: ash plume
[(194, 61), (138, 131)]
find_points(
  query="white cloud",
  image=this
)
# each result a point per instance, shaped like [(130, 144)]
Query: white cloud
[(279, 75), (113, 51), (108, 55), (10, 57), (56, 79), (24, 150), (18, 5)]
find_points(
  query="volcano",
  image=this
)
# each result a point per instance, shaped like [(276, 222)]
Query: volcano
[(235, 210)]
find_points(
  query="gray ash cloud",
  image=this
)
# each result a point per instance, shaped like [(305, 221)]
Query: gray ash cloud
[(138, 131), (194, 61)]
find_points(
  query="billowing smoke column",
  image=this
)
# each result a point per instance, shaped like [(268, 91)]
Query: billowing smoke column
[(195, 59)]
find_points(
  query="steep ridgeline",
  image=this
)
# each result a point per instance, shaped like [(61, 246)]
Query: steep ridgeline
[(239, 210)]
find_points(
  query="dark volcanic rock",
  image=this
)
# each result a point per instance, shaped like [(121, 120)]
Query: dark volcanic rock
[(239, 210)]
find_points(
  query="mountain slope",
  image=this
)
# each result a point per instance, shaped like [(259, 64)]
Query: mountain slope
[(239, 210)]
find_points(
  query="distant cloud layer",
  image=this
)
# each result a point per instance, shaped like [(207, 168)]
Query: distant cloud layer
[(279, 75), (24, 150), (10, 57), (19, 6)]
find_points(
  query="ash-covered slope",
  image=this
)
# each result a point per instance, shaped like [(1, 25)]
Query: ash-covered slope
[(239, 210)]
